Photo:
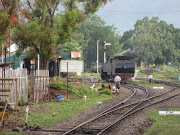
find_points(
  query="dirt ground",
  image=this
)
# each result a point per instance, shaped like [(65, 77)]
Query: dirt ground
[(135, 125)]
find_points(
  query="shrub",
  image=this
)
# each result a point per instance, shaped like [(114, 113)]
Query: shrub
[(85, 91), (106, 92), (80, 92)]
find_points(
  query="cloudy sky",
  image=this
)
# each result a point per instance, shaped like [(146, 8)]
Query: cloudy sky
[(123, 14)]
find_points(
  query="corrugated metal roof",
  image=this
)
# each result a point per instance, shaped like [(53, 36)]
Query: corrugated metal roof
[(64, 55), (18, 60)]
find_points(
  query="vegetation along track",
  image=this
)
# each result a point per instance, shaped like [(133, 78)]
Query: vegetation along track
[(99, 122), (147, 102), (135, 102), (102, 120)]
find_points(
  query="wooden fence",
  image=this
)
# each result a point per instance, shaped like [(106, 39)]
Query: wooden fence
[(22, 83), (39, 86)]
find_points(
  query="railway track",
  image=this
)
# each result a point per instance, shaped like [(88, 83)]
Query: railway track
[(138, 94), (137, 101), (102, 120), (147, 103)]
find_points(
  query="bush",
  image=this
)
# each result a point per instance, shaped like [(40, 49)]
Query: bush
[(85, 91), (59, 85), (106, 92), (80, 92), (21, 101)]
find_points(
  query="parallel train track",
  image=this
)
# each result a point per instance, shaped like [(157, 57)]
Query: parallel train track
[(138, 100)]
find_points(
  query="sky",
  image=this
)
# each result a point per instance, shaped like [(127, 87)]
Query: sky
[(123, 14)]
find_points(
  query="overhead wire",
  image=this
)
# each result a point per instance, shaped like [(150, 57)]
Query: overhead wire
[(139, 12)]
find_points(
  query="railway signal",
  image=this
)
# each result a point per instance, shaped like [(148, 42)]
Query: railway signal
[(105, 44)]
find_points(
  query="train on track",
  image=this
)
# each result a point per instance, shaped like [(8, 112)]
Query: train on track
[(124, 66)]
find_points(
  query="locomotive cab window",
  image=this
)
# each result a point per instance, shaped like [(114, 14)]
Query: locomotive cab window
[(131, 65), (119, 65)]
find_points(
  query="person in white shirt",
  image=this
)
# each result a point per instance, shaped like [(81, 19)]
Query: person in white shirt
[(92, 78), (117, 80), (150, 78)]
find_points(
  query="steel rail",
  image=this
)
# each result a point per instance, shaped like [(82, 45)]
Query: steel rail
[(130, 86), (142, 101), (101, 114), (148, 99), (121, 118), (95, 117), (110, 109), (106, 128)]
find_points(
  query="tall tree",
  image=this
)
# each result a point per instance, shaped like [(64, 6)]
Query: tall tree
[(8, 14), (94, 29), (152, 41), (85, 40), (43, 31)]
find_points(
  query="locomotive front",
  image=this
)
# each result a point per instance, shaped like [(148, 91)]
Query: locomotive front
[(122, 65)]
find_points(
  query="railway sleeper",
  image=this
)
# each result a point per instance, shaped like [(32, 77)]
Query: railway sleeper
[(112, 119), (88, 131), (99, 125)]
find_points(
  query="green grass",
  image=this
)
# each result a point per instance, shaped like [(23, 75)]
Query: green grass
[(168, 73), (141, 75), (74, 88), (8, 132), (165, 124), (42, 114), (97, 76), (147, 84)]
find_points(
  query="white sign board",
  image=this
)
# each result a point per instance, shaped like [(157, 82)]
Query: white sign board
[(169, 112), (73, 66)]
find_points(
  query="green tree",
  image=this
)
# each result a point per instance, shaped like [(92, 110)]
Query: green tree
[(44, 31), (152, 41), (94, 29), (8, 15)]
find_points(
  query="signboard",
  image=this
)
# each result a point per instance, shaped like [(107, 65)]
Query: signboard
[(75, 54), (73, 66), (169, 112)]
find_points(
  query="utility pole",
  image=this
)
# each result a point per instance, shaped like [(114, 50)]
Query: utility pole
[(2, 53), (9, 37), (97, 55), (105, 44), (38, 62)]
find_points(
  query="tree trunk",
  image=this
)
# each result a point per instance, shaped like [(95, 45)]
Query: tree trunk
[(140, 62), (51, 20), (46, 65)]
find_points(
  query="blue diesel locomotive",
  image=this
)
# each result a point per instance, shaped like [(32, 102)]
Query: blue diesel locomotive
[(123, 65)]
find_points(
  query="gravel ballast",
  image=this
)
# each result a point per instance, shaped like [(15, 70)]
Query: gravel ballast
[(136, 124)]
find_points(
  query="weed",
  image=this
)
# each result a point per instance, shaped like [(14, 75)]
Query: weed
[(106, 92), (78, 91), (21, 101)]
